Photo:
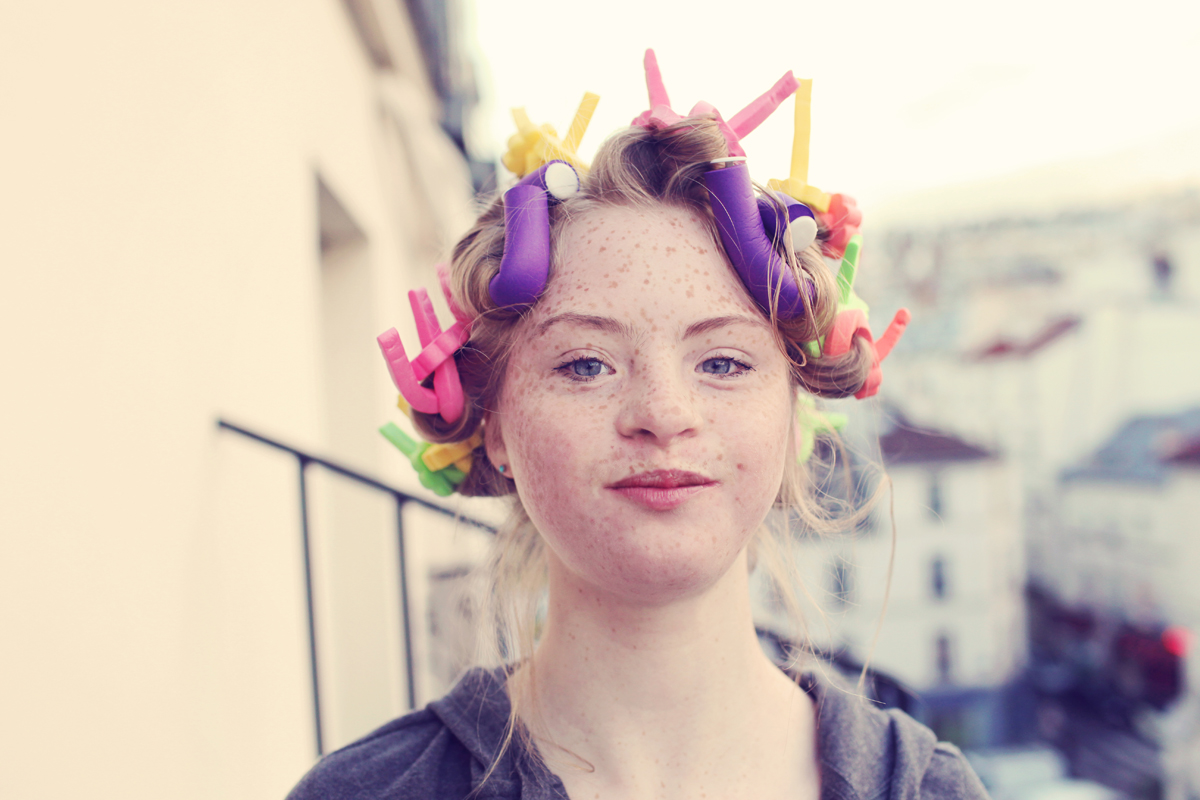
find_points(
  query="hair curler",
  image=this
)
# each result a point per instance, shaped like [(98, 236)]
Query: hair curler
[(746, 242)]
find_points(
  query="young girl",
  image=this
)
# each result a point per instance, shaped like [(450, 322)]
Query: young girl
[(632, 347)]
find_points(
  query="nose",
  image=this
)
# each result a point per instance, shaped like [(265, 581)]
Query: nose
[(659, 405)]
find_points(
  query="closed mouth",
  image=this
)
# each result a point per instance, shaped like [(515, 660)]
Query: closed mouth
[(663, 479)]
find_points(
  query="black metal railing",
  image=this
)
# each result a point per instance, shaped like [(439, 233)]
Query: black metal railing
[(304, 460)]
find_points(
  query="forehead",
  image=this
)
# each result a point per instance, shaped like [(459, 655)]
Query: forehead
[(657, 264)]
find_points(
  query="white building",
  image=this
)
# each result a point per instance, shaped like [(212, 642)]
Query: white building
[(1039, 335), (1181, 728), (1033, 337), (210, 211), (1117, 599), (1128, 541), (954, 625)]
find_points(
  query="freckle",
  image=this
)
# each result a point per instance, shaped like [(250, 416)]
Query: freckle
[(602, 249), (741, 466)]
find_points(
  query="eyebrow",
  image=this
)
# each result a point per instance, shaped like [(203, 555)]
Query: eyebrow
[(617, 328), (716, 323), (603, 324)]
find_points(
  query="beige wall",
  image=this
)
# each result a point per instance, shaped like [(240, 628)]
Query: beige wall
[(161, 269)]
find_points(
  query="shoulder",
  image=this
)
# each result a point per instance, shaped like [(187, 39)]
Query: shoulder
[(930, 769), (949, 775), (413, 756), (441, 751), (868, 752)]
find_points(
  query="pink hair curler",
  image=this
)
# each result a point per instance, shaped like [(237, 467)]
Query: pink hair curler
[(842, 220), (854, 323), (443, 273), (660, 114), (436, 356)]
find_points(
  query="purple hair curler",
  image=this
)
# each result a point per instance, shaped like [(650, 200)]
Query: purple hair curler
[(557, 177), (746, 241), (795, 216), (526, 262)]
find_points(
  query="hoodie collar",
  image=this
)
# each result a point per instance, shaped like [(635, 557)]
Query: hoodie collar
[(476, 711), (865, 753)]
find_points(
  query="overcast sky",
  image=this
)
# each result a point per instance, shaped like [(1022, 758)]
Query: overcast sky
[(906, 96)]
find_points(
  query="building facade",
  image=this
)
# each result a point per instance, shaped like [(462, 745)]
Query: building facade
[(211, 211)]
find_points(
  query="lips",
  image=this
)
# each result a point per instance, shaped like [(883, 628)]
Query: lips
[(662, 489), (664, 479)]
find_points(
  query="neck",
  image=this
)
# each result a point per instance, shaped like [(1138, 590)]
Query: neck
[(616, 683)]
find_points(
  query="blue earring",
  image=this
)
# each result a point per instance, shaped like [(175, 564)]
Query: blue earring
[(501, 468)]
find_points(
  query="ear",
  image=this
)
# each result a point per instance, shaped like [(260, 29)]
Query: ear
[(493, 439)]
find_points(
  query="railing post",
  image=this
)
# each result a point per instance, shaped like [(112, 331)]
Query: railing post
[(308, 588), (404, 612), (305, 459)]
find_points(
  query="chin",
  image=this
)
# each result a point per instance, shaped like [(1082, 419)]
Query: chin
[(657, 564)]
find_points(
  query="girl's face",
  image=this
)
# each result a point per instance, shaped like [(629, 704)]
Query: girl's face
[(646, 409)]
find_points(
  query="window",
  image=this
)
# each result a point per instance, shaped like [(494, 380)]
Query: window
[(841, 581), (944, 656), (935, 495), (938, 581)]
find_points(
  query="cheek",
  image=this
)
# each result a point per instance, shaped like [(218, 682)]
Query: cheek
[(556, 448), (759, 447)]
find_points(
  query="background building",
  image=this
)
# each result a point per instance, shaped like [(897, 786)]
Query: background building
[(1061, 339), (954, 629)]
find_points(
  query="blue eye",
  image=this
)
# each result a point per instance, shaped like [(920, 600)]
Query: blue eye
[(724, 366), (586, 367), (583, 369)]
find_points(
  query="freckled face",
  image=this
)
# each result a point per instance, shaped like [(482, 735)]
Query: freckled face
[(646, 408)]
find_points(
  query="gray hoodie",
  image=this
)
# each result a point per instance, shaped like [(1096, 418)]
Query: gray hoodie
[(443, 751)]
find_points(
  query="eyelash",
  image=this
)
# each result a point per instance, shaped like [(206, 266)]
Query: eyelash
[(567, 368), (743, 367)]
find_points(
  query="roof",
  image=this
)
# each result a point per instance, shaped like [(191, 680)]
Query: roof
[(1187, 454), (1143, 450), (1005, 348), (907, 443)]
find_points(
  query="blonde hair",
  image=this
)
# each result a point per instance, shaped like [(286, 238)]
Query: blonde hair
[(635, 167)]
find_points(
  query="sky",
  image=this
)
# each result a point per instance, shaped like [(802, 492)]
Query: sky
[(907, 97)]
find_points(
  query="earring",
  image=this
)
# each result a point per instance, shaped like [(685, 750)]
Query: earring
[(502, 468)]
